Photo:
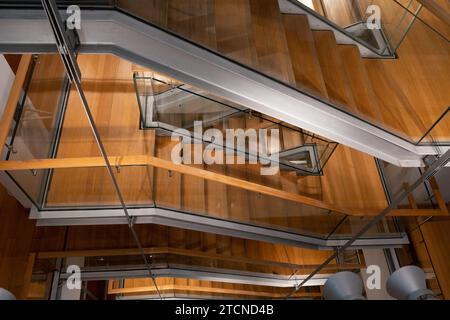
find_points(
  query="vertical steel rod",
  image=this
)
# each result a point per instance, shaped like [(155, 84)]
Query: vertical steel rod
[(68, 56)]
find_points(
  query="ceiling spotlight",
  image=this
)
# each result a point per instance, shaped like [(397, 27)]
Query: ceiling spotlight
[(343, 286), (408, 283)]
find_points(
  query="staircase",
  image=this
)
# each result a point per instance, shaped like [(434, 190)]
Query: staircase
[(334, 72), (355, 22), (185, 104), (291, 43), (169, 107), (260, 68)]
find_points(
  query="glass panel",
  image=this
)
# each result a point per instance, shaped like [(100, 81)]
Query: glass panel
[(41, 279), (396, 20), (387, 228), (439, 132), (168, 260), (178, 105), (92, 187), (168, 105), (162, 258), (245, 39), (423, 197), (37, 121), (398, 178), (353, 17), (145, 186)]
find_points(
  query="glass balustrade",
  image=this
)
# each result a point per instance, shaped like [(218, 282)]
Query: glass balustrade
[(166, 260), (37, 121), (118, 105), (380, 25), (176, 106), (160, 100), (167, 106), (243, 39)]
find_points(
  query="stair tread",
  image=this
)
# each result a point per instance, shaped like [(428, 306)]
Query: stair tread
[(334, 74), (304, 57), (363, 93), (269, 39)]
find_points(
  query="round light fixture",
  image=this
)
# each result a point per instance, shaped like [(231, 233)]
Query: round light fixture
[(6, 295), (343, 286), (408, 283)]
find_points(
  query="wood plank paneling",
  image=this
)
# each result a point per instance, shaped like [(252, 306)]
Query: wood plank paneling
[(270, 40), (16, 234), (303, 54), (437, 238), (412, 91), (335, 77)]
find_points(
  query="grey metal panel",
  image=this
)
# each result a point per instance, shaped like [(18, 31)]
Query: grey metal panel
[(116, 33)]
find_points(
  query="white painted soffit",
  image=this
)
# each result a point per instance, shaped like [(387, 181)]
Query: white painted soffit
[(117, 33)]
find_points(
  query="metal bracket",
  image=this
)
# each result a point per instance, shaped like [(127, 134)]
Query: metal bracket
[(429, 159)]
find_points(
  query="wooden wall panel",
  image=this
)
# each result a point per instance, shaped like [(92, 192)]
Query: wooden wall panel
[(16, 234), (413, 90), (436, 236)]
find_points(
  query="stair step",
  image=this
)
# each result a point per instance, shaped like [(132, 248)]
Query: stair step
[(234, 36), (269, 39), (363, 93), (304, 57), (336, 80), (291, 138)]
